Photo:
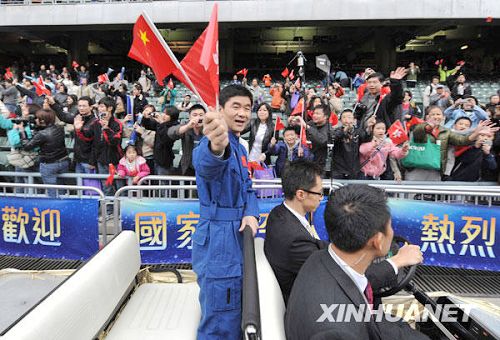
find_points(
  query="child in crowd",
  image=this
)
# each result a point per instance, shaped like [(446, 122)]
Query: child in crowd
[(374, 154), (289, 149), (133, 165), (461, 126)]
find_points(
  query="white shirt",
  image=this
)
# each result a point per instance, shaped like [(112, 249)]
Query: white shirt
[(303, 221), (360, 280), (257, 143)]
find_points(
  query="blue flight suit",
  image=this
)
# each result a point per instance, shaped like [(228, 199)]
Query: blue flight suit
[(226, 196)]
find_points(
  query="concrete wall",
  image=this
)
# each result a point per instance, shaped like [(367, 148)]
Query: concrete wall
[(242, 11)]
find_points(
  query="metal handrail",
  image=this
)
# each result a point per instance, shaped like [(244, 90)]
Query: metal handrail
[(78, 188)]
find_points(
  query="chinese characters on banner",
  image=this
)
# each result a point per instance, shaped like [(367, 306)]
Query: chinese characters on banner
[(165, 233), (41, 227)]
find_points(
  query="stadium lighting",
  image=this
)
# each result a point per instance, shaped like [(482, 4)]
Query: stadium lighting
[(464, 47)]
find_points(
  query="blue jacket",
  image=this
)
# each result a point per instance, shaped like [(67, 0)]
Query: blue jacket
[(452, 114), (5, 123), (224, 182), (281, 150)]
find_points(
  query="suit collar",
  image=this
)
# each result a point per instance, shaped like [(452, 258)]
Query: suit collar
[(348, 286)]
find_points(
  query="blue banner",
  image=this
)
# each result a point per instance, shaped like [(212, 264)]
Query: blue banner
[(164, 228), (450, 235), (51, 228)]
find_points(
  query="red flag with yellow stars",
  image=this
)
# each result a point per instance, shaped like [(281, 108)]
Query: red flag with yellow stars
[(147, 49)]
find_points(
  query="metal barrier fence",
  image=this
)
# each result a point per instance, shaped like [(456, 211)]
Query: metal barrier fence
[(62, 191)]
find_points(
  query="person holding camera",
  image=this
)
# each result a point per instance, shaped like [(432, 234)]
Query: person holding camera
[(49, 138), (163, 144), (261, 131), (347, 139), (477, 162), (106, 137), (190, 135), (465, 107)]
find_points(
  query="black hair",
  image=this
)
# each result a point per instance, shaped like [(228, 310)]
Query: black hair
[(377, 75), (173, 112), (197, 107), (87, 99), (325, 108), (137, 149), (33, 108), (109, 103), (269, 119), (293, 128), (409, 93), (354, 214), (149, 106), (436, 77), (463, 118), (313, 98), (138, 87), (75, 99), (299, 174), (231, 91)]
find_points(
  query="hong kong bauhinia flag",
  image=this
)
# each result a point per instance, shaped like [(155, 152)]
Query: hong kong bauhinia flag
[(201, 63), (149, 48), (397, 133)]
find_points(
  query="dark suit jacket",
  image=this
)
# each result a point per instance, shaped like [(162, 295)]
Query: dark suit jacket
[(288, 245), (322, 281)]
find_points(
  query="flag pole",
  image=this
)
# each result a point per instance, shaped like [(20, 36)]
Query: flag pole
[(173, 57)]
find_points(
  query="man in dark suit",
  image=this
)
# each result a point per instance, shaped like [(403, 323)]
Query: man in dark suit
[(290, 240), (358, 222)]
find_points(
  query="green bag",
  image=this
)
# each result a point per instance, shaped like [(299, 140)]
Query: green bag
[(423, 156)]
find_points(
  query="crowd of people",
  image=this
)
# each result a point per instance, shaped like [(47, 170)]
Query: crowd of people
[(116, 130)]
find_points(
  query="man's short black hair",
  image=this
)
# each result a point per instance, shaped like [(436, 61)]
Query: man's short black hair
[(87, 99), (173, 112), (299, 174), (377, 75), (109, 103), (197, 107), (325, 108), (231, 91), (354, 214)]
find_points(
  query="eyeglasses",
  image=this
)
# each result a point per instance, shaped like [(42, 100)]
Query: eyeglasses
[(320, 194)]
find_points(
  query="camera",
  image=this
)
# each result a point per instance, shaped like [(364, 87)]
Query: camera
[(360, 111), (101, 115), (28, 122), (200, 121), (487, 142)]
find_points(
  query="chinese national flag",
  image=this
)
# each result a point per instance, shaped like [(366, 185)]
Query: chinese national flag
[(397, 133), (148, 49), (291, 76), (279, 124), (74, 64), (201, 63), (413, 121), (298, 108), (285, 72), (303, 137), (243, 71), (103, 78), (40, 87), (334, 120)]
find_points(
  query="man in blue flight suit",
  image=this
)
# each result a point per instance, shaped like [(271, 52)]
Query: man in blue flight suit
[(227, 204)]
